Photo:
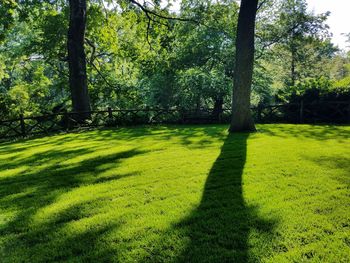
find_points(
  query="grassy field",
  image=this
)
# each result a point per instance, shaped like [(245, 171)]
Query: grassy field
[(178, 194)]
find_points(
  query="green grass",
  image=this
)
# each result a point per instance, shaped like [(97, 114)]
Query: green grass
[(178, 194)]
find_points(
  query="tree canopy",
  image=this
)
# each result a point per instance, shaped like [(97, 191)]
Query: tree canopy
[(142, 54)]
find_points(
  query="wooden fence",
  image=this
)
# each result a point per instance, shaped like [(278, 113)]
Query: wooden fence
[(325, 112)]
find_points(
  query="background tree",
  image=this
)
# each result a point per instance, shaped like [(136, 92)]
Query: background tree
[(303, 40), (197, 67)]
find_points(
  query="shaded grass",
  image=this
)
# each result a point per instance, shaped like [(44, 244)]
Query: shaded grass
[(178, 194)]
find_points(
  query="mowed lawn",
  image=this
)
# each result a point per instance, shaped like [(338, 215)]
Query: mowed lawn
[(178, 194)]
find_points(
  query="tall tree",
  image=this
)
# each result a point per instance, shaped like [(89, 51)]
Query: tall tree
[(300, 30), (242, 119), (77, 57)]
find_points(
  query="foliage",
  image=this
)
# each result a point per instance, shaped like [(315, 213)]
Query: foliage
[(134, 61), (7, 17), (315, 90), (300, 43), (343, 83), (202, 88), (197, 67)]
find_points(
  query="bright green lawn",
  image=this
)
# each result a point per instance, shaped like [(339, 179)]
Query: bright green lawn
[(178, 194)]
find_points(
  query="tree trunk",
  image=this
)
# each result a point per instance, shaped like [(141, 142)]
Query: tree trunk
[(242, 119), (293, 62), (293, 77), (77, 58)]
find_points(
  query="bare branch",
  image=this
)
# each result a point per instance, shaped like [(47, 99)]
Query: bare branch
[(102, 3), (104, 78), (147, 34), (153, 13), (261, 4), (92, 45)]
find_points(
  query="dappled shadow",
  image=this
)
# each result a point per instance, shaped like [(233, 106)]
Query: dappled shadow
[(57, 175), (40, 231), (51, 156), (317, 132), (55, 242), (40, 176), (189, 135), (71, 202)]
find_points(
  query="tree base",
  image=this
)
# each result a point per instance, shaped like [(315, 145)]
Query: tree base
[(249, 127)]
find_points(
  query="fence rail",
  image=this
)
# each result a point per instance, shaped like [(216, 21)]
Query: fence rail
[(330, 112)]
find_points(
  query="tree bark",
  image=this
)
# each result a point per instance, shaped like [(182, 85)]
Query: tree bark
[(293, 75), (242, 119), (77, 58)]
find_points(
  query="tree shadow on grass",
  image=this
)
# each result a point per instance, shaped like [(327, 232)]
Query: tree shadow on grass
[(194, 136), (54, 242), (56, 175), (218, 230), (186, 135), (55, 236)]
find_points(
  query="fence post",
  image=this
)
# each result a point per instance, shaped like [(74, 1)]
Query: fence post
[(259, 110), (110, 115), (23, 127), (66, 120), (301, 112), (109, 121)]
